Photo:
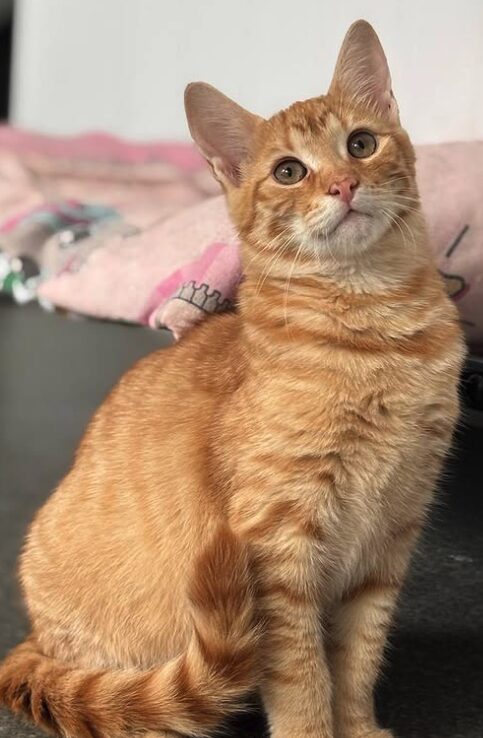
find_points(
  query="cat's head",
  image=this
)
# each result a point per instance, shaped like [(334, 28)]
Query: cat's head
[(330, 175)]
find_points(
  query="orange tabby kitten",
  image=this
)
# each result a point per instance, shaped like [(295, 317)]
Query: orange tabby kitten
[(242, 508)]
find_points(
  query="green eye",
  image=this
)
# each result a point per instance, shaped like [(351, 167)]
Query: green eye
[(289, 171), (361, 144)]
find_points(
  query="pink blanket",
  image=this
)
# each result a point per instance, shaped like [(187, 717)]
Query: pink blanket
[(139, 232)]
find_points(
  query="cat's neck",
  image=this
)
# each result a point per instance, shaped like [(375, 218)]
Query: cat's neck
[(387, 290)]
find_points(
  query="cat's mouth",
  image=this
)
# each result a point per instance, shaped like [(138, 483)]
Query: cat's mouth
[(348, 219), (351, 216)]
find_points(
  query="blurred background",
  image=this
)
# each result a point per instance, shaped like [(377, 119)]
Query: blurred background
[(101, 227), (121, 65)]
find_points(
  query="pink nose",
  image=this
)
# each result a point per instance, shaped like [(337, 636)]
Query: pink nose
[(344, 189)]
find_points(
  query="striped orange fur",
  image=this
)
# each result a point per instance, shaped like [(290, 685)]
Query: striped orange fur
[(241, 511)]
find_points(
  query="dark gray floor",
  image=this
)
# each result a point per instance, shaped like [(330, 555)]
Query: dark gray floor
[(54, 372)]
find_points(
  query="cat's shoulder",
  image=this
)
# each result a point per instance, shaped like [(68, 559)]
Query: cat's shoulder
[(209, 356)]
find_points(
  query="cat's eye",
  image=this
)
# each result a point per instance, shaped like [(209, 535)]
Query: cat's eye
[(361, 144), (289, 171)]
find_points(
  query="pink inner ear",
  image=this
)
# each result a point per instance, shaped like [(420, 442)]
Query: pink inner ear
[(223, 169), (222, 129)]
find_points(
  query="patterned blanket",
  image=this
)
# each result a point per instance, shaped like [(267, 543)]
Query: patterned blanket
[(139, 232)]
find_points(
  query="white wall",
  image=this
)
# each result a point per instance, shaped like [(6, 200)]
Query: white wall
[(121, 65)]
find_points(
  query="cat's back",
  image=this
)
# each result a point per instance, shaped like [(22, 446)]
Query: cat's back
[(174, 388)]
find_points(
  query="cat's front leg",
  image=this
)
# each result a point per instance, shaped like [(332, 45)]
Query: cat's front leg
[(296, 690), (357, 637), (296, 683)]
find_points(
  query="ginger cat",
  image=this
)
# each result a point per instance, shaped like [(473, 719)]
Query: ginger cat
[(242, 508)]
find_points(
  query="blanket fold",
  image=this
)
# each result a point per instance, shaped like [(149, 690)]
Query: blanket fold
[(139, 231)]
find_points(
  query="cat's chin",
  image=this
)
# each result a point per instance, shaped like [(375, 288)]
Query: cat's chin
[(353, 219), (355, 232)]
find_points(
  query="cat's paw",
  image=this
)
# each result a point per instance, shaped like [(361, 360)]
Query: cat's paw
[(370, 733)]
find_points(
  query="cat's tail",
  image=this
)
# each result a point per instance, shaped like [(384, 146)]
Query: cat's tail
[(190, 694)]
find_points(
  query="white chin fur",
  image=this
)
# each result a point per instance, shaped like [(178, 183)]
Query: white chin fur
[(354, 234), (334, 231)]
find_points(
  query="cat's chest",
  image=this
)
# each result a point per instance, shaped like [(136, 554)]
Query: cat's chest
[(352, 435), (327, 407)]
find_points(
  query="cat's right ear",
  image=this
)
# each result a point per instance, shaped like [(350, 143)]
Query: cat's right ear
[(222, 130)]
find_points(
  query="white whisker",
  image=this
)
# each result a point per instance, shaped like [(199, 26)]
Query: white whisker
[(288, 284)]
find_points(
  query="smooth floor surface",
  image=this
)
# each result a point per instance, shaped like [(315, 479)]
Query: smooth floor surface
[(53, 373)]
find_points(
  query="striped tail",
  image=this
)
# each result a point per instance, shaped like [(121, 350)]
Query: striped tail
[(190, 694)]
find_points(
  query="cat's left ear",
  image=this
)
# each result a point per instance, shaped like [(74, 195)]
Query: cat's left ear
[(362, 73), (222, 129)]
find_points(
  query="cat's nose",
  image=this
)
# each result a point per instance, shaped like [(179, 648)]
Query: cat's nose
[(344, 189)]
